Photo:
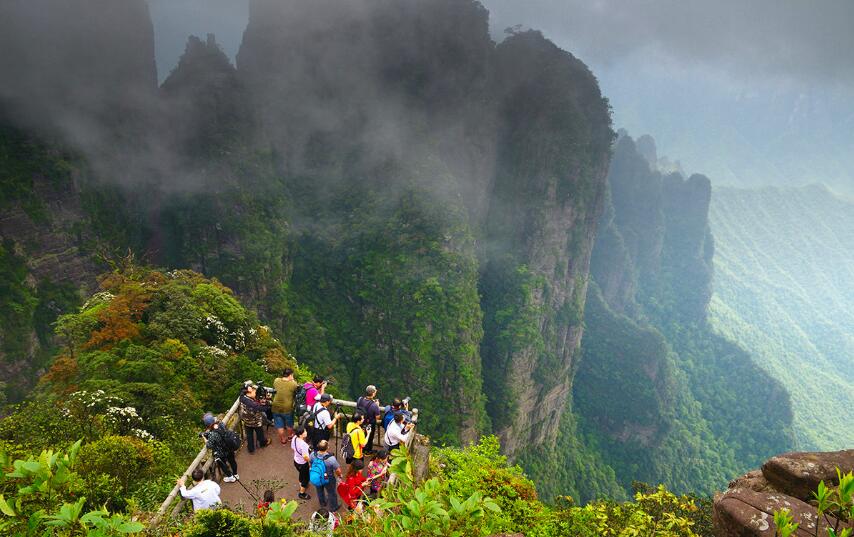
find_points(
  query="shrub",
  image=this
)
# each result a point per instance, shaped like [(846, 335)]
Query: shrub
[(219, 523), (124, 458)]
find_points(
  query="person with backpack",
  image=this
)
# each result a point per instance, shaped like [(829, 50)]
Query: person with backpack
[(314, 389), (323, 473), (370, 408), (222, 443), (354, 440), (322, 421), (397, 432), (252, 416), (302, 458), (283, 404)]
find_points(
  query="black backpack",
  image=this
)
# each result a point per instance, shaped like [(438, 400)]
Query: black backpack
[(231, 439), (307, 420), (348, 450), (300, 403)]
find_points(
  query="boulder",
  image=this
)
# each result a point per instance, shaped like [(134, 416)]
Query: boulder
[(743, 512), (798, 474), (786, 481)]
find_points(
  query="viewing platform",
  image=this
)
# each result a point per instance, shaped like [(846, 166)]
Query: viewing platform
[(273, 468)]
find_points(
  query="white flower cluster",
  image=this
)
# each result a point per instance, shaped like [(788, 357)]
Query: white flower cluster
[(142, 434), (231, 341), (98, 298), (127, 412), (172, 274), (214, 352), (123, 420), (89, 400)]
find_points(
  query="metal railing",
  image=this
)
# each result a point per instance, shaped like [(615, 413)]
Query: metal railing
[(232, 414)]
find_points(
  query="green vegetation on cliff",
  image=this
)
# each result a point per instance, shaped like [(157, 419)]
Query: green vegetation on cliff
[(658, 395), (784, 289), (140, 362)]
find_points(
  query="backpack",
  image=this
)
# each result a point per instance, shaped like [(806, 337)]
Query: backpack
[(232, 439), (348, 450), (307, 420), (317, 474), (388, 418), (300, 403)]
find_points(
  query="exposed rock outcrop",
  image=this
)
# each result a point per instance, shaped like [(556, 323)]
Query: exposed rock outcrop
[(787, 481)]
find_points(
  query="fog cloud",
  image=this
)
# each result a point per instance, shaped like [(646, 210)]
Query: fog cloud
[(790, 38)]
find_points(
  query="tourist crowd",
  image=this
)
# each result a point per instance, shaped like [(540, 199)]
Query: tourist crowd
[(304, 420)]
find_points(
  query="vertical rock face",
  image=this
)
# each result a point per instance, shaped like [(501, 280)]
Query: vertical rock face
[(664, 226), (656, 387), (549, 186), (519, 133), (81, 72)]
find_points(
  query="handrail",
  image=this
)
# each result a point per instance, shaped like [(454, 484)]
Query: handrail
[(169, 499)]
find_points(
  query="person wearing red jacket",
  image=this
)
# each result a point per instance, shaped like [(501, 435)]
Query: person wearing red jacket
[(350, 489)]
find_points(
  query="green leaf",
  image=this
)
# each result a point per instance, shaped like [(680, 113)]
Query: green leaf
[(133, 526), (5, 508)]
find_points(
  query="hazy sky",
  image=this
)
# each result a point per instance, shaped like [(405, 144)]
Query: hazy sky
[(732, 88)]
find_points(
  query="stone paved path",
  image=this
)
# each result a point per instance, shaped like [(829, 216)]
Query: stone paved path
[(268, 468)]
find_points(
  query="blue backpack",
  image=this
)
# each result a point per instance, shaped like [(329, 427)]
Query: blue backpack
[(388, 418), (318, 474)]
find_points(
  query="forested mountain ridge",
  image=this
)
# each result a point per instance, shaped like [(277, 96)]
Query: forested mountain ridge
[(784, 288), (405, 203), (658, 395), (366, 180)]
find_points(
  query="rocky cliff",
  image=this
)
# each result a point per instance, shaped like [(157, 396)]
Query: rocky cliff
[(540, 227), (787, 481), (659, 395)]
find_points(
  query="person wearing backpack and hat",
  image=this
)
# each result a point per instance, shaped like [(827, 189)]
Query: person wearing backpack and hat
[(219, 440), (324, 422), (323, 473)]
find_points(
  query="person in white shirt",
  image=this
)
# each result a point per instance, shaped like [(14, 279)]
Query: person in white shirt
[(205, 493), (324, 422), (396, 432)]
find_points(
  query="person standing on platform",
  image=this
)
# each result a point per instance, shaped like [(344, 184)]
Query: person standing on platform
[(370, 408), (323, 475), (283, 404)]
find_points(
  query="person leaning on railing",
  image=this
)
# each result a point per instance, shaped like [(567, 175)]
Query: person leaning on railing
[(204, 494), (397, 432), (223, 455), (370, 408)]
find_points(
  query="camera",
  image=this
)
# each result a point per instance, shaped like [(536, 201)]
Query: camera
[(264, 392), (406, 401)]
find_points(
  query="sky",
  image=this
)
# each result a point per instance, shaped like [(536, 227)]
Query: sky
[(749, 93)]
